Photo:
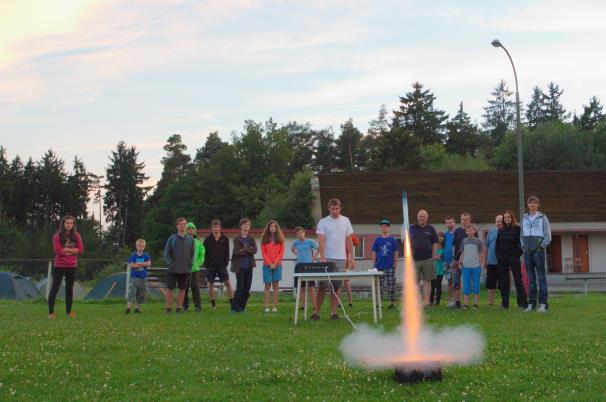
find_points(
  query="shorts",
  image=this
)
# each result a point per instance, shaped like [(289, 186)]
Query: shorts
[(214, 271), (137, 288), (471, 280), (425, 269), (447, 270), (177, 280), (455, 276), (272, 275), (492, 276), (339, 267)]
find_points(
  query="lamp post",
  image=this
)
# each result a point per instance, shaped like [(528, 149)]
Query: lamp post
[(497, 43)]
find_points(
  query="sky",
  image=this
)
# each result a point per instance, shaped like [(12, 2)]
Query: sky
[(79, 76)]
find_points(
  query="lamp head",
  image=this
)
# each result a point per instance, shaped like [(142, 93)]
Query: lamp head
[(496, 43)]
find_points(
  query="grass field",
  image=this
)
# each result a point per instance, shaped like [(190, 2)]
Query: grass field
[(105, 355)]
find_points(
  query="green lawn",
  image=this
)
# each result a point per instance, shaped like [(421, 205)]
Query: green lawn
[(106, 355)]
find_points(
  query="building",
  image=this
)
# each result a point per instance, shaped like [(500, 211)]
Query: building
[(575, 203)]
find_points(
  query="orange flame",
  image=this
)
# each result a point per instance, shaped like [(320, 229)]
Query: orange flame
[(411, 313)]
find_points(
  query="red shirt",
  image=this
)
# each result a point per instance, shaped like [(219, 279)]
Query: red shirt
[(63, 260), (272, 253)]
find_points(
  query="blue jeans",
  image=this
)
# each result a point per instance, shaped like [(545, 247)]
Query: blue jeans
[(535, 267)]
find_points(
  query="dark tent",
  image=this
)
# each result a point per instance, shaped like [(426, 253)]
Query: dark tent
[(16, 287), (79, 291), (114, 286)]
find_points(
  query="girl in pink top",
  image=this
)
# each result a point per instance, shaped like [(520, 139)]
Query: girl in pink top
[(272, 249), (67, 244)]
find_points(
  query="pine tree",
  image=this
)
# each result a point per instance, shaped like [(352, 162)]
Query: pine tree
[(536, 109), (124, 193), (418, 115), (592, 115), (499, 115), (350, 155), (463, 136), (554, 109)]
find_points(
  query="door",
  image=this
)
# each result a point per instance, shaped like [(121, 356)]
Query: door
[(580, 253), (554, 255)]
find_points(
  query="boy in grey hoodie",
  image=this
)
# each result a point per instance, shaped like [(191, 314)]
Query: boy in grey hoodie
[(536, 236)]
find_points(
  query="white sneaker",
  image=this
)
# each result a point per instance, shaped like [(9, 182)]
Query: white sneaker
[(267, 310), (542, 308), (529, 308), (450, 303), (274, 310)]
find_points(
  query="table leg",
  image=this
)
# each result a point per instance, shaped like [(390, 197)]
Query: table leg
[(305, 292), (374, 298), (297, 301), (379, 301)]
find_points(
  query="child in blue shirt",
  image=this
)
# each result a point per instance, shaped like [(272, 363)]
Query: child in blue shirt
[(306, 251), (385, 258), (139, 262)]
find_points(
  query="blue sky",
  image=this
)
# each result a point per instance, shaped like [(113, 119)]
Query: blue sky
[(79, 76)]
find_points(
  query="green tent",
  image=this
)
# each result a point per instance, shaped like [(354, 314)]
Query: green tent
[(114, 286), (16, 287)]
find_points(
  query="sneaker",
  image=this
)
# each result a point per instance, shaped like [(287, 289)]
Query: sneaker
[(127, 311), (350, 305), (198, 310), (465, 307), (178, 311), (450, 303), (334, 317), (213, 304), (71, 314), (137, 311), (52, 316), (392, 306), (274, 310), (315, 317), (475, 306), (168, 310), (266, 311), (542, 308), (529, 308)]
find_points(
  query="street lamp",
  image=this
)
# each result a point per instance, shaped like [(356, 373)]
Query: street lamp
[(497, 43)]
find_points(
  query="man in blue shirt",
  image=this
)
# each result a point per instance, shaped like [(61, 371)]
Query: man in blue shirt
[(306, 251), (385, 258)]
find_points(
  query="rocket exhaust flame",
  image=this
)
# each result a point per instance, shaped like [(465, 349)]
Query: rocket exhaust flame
[(416, 352)]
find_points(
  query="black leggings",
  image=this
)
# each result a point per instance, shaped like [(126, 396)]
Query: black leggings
[(436, 290), (58, 274), (243, 283)]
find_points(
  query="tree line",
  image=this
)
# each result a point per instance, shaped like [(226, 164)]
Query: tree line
[(264, 171)]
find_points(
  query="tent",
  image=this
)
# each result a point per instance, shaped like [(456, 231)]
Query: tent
[(16, 287), (79, 291), (114, 286)]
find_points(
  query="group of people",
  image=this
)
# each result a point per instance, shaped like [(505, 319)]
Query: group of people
[(456, 254), (459, 256)]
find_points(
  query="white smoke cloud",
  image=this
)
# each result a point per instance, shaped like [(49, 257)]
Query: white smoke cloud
[(375, 349)]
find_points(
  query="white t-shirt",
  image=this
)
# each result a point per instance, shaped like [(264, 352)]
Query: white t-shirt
[(335, 230)]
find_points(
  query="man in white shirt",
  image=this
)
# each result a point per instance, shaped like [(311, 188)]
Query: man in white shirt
[(333, 231)]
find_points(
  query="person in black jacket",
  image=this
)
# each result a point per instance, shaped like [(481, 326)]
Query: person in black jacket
[(509, 251), (216, 261)]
